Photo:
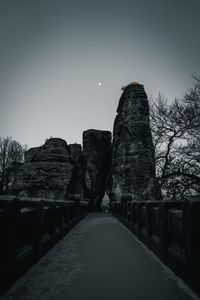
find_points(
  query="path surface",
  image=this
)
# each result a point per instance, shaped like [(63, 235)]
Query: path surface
[(98, 260)]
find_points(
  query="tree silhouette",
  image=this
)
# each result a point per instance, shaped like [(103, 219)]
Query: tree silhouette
[(11, 158), (176, 134)]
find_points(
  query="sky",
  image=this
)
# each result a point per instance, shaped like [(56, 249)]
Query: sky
[(63, 62)]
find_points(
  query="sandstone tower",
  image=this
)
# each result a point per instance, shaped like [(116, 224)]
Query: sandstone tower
[(133, 162), (97, 154)]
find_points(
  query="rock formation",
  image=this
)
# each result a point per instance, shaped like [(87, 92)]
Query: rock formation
[(77, 185), (76, 151), (97, 154), (133, 162), (47, 171), (56, 170)]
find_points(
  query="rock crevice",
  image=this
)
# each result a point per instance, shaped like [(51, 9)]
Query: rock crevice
[(97, 154)]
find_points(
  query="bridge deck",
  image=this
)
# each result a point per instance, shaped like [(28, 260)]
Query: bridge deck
[(99, 260)]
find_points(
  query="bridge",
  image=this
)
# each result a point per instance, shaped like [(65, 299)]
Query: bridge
[(60, 250)]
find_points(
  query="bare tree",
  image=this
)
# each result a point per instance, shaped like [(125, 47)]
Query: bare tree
[(176, 135), (11, 158)]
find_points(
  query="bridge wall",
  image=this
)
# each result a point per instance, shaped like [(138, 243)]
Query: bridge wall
[(29, 228), (170, 229)]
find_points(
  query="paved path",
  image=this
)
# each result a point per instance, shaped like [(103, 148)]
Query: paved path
[(98, 260)]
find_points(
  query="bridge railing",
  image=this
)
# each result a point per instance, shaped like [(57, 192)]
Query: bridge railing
[(30, 227), (171, 229)]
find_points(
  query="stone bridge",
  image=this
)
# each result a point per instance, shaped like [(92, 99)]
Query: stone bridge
[(132, 252), (126, 254)]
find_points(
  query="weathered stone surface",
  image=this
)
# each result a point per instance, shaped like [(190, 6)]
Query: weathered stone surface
[(97, 155), (77, 185), (30, 154), (133, 162), (76, 151), (47, 171)]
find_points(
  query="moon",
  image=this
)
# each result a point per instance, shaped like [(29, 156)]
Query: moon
[(99, 83)]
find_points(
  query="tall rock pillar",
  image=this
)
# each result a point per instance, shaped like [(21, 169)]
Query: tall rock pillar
[(97, 154), (133, 162)]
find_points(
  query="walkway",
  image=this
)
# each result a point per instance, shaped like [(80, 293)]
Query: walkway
[(99, 260)]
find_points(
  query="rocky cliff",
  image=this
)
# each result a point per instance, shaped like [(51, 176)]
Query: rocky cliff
[(77, 185), (133, 162), (47, 171), (97, 155)]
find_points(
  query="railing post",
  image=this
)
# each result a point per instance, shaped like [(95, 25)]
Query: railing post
[(153, 216), (124, 200), (163, 230)]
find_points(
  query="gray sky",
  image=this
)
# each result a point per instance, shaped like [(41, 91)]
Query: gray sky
[(54, 53)]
